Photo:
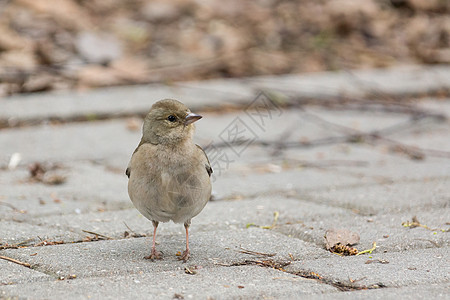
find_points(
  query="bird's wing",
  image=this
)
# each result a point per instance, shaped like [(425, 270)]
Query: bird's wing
[(142, 142), (128, 170), (207, 164)]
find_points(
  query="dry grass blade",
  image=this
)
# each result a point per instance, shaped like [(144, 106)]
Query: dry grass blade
[(374, 246), (415, 223), (275, 219)]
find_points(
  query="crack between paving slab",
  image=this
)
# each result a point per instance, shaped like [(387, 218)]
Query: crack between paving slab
[(97, 237), (342, 286), (279, 265), (87, 239)]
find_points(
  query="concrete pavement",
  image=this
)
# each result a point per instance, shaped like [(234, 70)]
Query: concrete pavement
[(364, 151)]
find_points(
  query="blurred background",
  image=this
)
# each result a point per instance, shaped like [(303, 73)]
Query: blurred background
[(83, 44)]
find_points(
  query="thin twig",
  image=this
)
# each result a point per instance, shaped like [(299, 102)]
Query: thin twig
[(245, 251), (129, 227), (24, 242), (134, 234), (98, 234), (15, 261), (8, 246)]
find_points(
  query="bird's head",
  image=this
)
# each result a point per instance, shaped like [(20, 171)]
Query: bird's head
[(169, 122)]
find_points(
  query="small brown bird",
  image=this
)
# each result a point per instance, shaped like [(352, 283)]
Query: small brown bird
[(169, 175)]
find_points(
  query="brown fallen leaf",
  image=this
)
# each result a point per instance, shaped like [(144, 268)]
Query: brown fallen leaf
[(344, 250), (342, 237), (40, 173), (37, 171), (54, 179)]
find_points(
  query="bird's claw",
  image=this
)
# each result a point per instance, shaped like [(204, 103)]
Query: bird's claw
[(154, 255), (185, 256)]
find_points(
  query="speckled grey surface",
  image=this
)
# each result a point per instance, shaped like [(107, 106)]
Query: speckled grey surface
[(302, 166)]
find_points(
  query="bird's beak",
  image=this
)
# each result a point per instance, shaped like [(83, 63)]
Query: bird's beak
[(191, 118)]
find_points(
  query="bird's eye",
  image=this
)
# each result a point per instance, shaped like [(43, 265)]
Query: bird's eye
[(171, 118)]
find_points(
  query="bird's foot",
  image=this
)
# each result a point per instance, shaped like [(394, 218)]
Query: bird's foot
[(154, 255), (185, 256)]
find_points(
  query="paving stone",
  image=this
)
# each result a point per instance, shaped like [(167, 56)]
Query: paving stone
[(116, 100), (221, 128), (361, 161), (428, 136), (110, 141), (386, 230), (397, 169), (415, 267), (327, 85), (217, 215), (13, 233), (368, 188), (25, 208), (399, 81), (87, 188), (114, 257), (433, 291), (362, 121), (97, 141), (209, 283), (384, 198), (12, 274), (300, 179)]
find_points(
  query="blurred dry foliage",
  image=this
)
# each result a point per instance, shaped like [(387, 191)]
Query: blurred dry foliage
[(79, 44)]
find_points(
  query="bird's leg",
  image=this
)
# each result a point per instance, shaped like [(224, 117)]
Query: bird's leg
[(186, 252), (155, 254)]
